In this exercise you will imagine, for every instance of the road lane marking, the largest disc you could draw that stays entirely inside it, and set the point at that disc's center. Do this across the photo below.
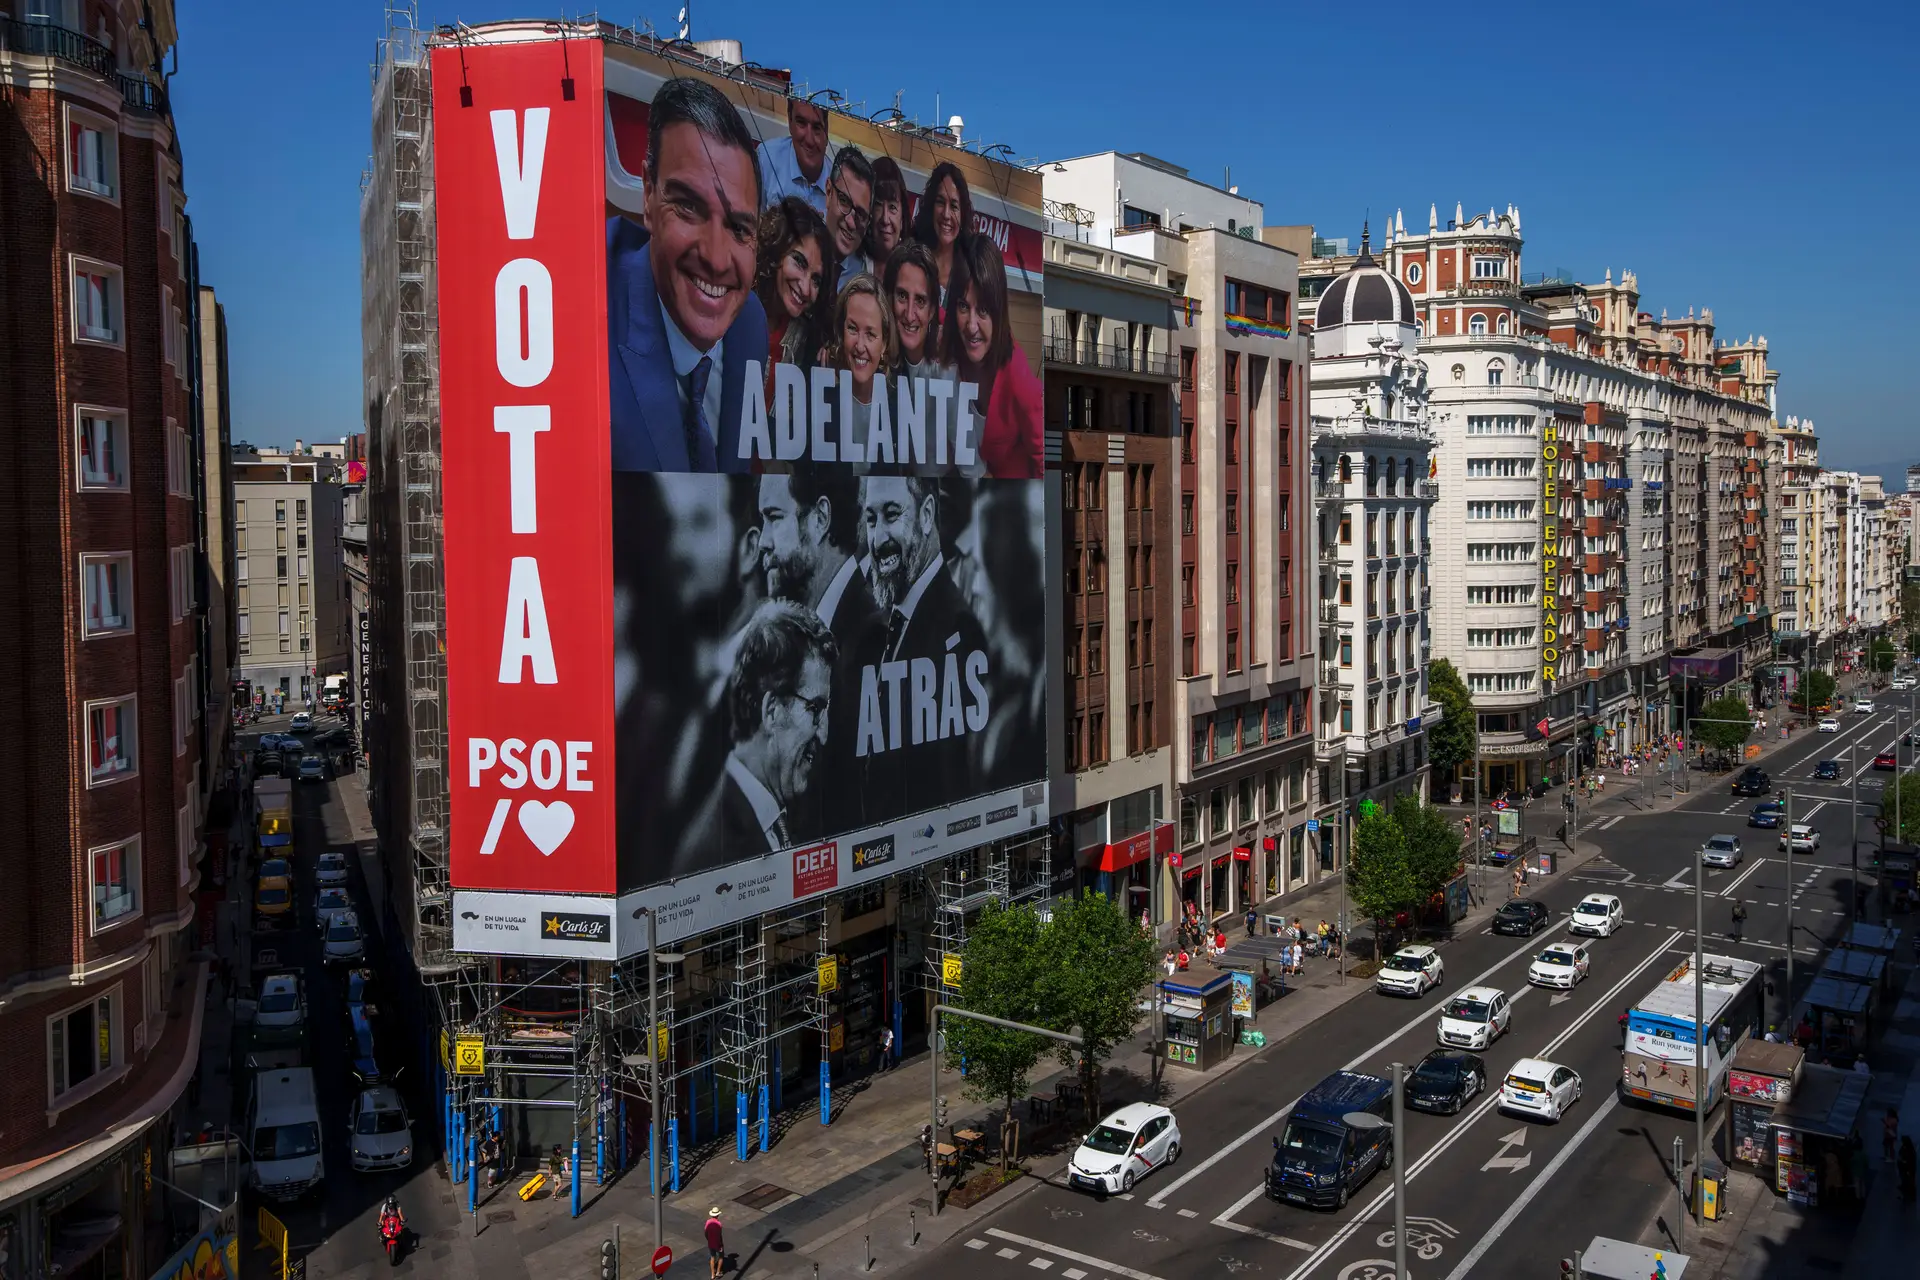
(976, 1244)
(1533, 1188)
(1068, 1254)
(1673, 881)
(1454, 1134)
(1728, 891)
(1159, 1199)
(1007, 1253)
(1226, 1220)
(1040, 1264)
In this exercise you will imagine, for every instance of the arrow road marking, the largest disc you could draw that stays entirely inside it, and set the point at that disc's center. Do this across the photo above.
(1559, 998)
(1518, 1138)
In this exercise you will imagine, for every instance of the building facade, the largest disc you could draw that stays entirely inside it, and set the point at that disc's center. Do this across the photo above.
(1242, 710)
(1110, 377)
(106, 749)
(1372, 462)
(290, 583)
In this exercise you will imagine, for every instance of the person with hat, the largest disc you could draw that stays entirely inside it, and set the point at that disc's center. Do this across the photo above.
(716, 1250)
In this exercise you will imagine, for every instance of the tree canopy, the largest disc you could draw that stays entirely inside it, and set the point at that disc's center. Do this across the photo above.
(1881, 655)
(1000, 976)
(1712, 725)
(1908, 805)
(1814, 690)
(1380, 875)
(1094, 961)
(1450, 743)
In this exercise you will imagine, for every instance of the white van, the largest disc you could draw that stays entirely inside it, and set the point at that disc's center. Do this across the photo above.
(283, 1134)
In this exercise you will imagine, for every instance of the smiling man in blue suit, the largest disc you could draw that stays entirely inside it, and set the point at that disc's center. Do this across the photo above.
(682, 318)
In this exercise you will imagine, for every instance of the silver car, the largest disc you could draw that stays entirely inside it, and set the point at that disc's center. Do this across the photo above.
(382, 1134)
(1721, 851)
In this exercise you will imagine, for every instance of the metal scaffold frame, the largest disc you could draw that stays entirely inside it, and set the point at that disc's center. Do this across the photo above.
(1006, 872)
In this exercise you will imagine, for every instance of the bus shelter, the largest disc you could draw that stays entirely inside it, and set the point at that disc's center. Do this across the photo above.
(1815, 1134)
(1838, 1008)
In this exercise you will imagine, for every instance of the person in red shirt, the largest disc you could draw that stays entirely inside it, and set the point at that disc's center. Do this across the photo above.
(716, 1251)
(977, 341)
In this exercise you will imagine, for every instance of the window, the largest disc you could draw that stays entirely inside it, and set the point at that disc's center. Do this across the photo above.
(1498, 468)
(239, 568)
(82, 1042)
(1489, 268)
(1186, 513)
(115, 871)
(1233, 650)
(1233, 583)
(93, 154)
(1499, 552)
(280, 566)
(1477, 324)
(97, 310)
(285, 623)
(1496, 373)
(1233, 512)
(1187, 593)
(1512, 593)
(1346, 530)
(1504, 323)
(110, 740)
(1500, 682)
(1506, 424)
(301, 566)
(100, 444)
(1414, 273)
(107, 581)
(1132, 217)
(280, 510)
(300, 504)
(1514, 510)
(1233, 360)
(1233, 443)
(180, 580)
(1499, 637)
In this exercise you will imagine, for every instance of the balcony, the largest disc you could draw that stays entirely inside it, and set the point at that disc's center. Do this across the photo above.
(1330, 490)
(1329, 553)
(1108, 357)
(1329, 611)
(45, 40)
(1335, 676)
(1428, 489)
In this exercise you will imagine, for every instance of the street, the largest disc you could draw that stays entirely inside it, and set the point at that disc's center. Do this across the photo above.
(1488, 1194)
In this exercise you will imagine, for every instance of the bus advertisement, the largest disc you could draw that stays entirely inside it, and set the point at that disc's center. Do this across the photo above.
(1657, 1061)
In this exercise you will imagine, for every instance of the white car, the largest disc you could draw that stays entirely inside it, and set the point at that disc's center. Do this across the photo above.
(1805, 839)
(327, 904)
(1537, 1087)
(1598, 914)
(343, 943)
(1475, 1018)
(301, 721)
(282, 1005)
(382, 1134)
(1721, 851)
(1901, 684)
(331, 868)
(1829, 725)
(1562, 964)
(1410, 971)
(1864, 707)
(1128, 1144)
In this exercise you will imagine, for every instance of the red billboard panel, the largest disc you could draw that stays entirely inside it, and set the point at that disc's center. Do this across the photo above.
(744, 529)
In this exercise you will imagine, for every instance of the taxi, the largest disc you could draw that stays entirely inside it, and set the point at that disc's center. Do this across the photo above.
(273, 892)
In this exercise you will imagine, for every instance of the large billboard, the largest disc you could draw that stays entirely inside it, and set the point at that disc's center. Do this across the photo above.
(745, 544)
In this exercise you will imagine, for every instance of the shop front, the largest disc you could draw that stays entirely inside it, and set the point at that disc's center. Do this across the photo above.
(1123, 870)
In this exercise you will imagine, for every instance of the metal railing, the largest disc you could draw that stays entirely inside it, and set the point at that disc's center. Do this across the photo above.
(1110, 356)
(75, 48)
(1329, 490)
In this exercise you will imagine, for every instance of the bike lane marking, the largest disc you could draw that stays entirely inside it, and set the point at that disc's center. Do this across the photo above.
(1070, 1255)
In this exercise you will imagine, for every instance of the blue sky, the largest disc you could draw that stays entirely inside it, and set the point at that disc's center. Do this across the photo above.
(1757, 159)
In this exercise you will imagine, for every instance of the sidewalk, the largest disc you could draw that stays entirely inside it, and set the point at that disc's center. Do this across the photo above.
(1763, 1235)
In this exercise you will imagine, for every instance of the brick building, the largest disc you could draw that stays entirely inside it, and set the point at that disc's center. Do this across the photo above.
(107, 752)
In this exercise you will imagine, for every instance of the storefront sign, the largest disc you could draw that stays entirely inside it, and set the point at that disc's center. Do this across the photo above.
(829, 974)
(1549, 552)
(1123, 854)
(1243, 854)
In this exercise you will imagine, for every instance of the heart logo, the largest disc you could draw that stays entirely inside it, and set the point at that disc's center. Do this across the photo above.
(547, 825)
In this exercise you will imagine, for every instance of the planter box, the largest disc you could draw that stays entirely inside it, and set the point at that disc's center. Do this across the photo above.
(981, 1185)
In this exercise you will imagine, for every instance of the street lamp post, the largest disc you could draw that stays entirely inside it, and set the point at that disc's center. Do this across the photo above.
(1793, 890)
(1700, 1020)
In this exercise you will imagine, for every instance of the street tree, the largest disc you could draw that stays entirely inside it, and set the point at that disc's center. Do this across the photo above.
(1724, 724)
(1910, 614)
(1000, 976)
(1814, 691)
(1094, 963)
(1380, 878)
(1881, 655)
(1433, 844)
(1450, 743)
(1904, 800)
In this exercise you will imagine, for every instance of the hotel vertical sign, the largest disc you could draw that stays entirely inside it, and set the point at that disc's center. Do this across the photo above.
(1549, 552)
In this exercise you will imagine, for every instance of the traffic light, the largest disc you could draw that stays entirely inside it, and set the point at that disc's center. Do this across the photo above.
(609, 1260)
(940, 1112)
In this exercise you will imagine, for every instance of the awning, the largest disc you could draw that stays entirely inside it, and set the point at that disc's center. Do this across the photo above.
(1117, 857)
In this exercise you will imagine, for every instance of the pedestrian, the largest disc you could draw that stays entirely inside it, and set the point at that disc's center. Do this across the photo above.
(716, 1248)
(490, 1157)
(1739, 920)
(1167, 963)
(554, 1162)
(1320, 939)
(1889, 1132)
(1860, 1067)
(1253, 921)
(886, 1048)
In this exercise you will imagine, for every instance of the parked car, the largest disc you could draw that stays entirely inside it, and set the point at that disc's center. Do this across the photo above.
(330, 868)
(1598, 914)
(313, 768)
(1826, 770)
(1521, 917)
(1766, 814)
(329, 901)
(343, 942)
(1445, 1081)
(1752, 781)
(1130, 1143)
(1721, 851)
(382, 1134)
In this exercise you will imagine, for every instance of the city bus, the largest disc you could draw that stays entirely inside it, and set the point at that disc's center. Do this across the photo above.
(1656, 1061)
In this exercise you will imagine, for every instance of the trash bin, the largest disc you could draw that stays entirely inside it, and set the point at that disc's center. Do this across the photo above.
(1713, 1176)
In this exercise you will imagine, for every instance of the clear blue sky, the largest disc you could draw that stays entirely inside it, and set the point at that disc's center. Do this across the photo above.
(1759, 159)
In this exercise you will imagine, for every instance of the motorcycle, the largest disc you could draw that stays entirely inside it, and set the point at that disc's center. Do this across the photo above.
(393, 1235)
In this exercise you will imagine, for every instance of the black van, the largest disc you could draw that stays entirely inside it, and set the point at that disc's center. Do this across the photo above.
(1326, 1149)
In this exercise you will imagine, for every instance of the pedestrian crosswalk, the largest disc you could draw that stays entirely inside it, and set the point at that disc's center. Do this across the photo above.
(1052, 1259)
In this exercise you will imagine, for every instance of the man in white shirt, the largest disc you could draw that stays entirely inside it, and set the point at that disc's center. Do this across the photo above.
(776, 703)
(796, 165)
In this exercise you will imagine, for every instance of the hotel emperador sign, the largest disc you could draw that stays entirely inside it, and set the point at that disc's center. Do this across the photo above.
(1549, 551)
